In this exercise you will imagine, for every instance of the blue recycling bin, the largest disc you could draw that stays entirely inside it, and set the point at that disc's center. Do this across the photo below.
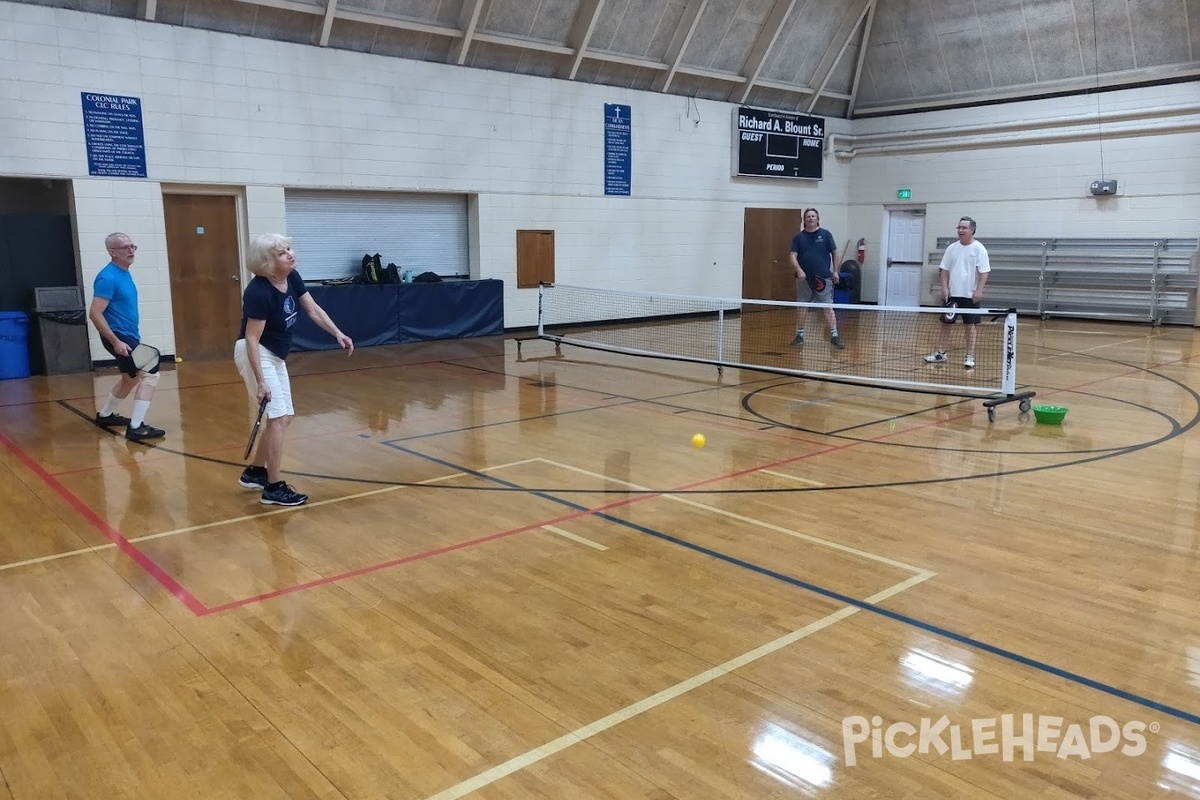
(14, 344)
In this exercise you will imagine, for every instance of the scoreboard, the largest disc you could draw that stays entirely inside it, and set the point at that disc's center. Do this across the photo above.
(776, 144)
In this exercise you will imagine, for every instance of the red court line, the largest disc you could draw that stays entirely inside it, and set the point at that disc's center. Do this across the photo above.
(359, 571)
(200, 609)
(112, 534)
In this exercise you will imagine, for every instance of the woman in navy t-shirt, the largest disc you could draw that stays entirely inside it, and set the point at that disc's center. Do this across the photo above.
(270, 305)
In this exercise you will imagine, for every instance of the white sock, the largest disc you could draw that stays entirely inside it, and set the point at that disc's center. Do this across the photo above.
(833, 333)
(140, 407)
(111, 405)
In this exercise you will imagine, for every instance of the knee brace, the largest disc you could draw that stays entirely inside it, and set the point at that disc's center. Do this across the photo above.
(150, 379)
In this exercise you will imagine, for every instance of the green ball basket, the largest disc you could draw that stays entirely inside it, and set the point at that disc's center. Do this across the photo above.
(1049, 415)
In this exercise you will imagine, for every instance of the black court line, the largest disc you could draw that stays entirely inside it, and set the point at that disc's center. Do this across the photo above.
(550, 494)
(895, 616)
(841, 433)
(1177, 429)
(451, 362)
(1181, 428)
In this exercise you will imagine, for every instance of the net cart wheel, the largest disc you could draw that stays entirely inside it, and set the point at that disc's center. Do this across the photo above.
(1025, 406)
(991, 415)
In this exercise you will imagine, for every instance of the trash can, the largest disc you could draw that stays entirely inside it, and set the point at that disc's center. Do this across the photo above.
(61, 344)
(14, 344)
(847, 290)
(850, 275)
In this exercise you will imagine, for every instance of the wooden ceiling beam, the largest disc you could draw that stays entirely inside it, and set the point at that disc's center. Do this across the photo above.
(468, 20)
(767, 36)
(581, 33)
(679, 43)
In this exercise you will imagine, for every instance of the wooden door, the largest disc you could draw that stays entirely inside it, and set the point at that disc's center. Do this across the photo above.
(767, 272)
(535, 258)
(206, 285)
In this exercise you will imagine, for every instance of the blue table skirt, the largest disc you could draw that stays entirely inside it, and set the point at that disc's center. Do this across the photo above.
(404, 312)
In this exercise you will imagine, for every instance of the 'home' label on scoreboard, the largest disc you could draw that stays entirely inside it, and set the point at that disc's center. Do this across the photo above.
(776, 144)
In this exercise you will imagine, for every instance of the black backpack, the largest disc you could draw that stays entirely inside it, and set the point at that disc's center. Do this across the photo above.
(372, 269)
(393, 273)
(428, 277)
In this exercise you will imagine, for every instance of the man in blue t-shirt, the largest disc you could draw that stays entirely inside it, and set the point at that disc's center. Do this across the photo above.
(114, 312)
(815, 258)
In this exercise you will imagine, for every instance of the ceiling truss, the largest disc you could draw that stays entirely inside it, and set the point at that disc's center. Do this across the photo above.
(847, 58)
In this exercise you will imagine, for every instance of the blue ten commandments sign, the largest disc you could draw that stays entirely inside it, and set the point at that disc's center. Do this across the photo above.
(618, 152)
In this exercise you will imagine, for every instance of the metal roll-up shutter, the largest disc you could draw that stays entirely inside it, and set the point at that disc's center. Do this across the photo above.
(331, 231)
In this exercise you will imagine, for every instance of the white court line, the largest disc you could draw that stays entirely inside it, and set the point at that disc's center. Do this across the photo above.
(27, 562)
(750, 520)
(288, 510)
(573, 537)
(790, 477)
(586, 732)
(246, 517)
(642, 706)
(920, 577)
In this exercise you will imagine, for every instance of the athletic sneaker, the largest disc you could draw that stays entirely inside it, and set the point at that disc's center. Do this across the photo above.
(253, 478)
(799, 338)
(969, 362)
(143, 432)
(936, 356)
(113, 420)
(280, 494)
(836, 342)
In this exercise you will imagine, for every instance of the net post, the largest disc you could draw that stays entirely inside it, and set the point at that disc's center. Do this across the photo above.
(720, 335)
(541, 326)
(1009, 371)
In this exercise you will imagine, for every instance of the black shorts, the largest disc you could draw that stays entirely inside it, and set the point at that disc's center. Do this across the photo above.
(125, 363)
(967, 319)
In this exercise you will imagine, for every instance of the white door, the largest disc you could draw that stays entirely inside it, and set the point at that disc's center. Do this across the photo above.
(905, 258)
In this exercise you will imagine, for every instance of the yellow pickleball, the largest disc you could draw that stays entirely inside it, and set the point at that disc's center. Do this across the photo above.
(698, 440)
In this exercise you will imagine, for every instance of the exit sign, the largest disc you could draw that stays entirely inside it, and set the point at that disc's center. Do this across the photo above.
(904, 194)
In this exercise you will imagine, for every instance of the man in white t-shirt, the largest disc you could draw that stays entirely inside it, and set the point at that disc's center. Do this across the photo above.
(964, 271)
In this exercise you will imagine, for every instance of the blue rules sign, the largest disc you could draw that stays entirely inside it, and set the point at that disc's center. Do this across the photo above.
(618, 149)
(112, 126)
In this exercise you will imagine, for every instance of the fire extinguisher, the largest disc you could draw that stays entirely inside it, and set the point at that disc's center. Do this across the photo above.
(862, 251)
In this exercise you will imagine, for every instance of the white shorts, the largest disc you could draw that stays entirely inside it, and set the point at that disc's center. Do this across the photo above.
(274, 370)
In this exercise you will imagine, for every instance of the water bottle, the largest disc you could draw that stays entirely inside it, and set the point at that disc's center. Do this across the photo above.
(408, 276)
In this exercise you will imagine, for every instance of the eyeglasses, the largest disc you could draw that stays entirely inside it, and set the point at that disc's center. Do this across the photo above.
(130, 247)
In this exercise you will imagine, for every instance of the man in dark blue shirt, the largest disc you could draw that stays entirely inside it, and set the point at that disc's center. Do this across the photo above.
(815, 258)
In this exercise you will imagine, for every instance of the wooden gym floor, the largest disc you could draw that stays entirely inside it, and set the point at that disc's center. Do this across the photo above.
(518, 580)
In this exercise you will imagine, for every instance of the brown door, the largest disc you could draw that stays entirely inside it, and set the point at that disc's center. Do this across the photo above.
(206, 286)
(535, 258)
(767, 272)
